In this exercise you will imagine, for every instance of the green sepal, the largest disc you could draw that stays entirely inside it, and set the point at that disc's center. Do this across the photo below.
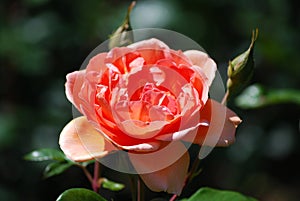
(256, 96)
(111, 185)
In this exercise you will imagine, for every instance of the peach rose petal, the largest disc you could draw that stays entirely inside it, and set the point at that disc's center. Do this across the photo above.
(123, 141)
(81, 142)
(73, 86)
(97, 63)
(143, 147)
(152, 43)
(222, 126)
(139, 130)
(203, 61)
(165, 169)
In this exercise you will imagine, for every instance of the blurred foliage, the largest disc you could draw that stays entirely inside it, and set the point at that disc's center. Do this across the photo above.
(256, 96)
(42, 40)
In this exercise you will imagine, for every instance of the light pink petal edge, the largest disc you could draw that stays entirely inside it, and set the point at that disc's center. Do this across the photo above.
(222, 126)
(152, 43)
(81, 142)
(73, 86)
(203, 61)
(143, 147)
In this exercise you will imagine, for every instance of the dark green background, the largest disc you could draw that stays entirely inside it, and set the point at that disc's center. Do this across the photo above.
(43, 40)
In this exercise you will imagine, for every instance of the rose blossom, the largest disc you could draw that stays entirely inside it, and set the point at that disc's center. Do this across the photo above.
(143, 98)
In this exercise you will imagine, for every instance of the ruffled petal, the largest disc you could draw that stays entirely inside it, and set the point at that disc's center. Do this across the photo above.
(97, 63)
(165, 169)
(77, 79)
(143, 147)
(123, 141)
(152, 43)
(222, 126)
(203, 61)
(81, 142)
(73, 86)
(151, 50)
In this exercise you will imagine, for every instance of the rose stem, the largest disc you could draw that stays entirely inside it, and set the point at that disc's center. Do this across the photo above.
(96, 176)
(87, 174)
(224, 100)
(140, 190)
(173, 197)
(133, 187)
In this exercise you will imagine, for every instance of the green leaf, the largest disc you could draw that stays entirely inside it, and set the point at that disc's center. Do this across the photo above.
(111, 185)
(123, 35)
(209, 194)
(45, 155)
(256, 96)
(56, 168)
(241, 68)
(79, 194)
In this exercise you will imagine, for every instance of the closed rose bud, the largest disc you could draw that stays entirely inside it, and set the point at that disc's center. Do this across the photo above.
(123, 35)
(240, 69)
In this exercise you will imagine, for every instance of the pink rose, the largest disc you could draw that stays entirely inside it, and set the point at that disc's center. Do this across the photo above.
(146, 99)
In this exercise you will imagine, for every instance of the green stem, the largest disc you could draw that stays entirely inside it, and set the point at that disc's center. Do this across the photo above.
(133, 187)
(137, 188)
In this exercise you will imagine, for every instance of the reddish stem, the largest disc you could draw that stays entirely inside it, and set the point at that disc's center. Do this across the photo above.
(224, 100)
(173, 198)
(140, 190)
(87, 174)
(95, 184)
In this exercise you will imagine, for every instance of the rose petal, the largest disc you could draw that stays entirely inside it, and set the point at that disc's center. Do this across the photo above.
(202, 60)
(141, 130)
(73, 86)
(152, 43)
(97, 63)
(123, 59)
(123, 141)
(222, 125)
(151, 50)
(188, 133)
(81, 91)
(163, 170)
(81, 142)
(143, 147)
(76, 79)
